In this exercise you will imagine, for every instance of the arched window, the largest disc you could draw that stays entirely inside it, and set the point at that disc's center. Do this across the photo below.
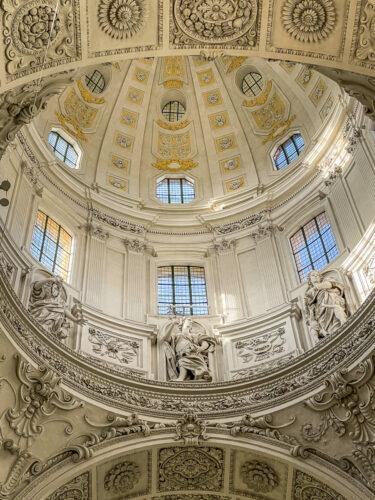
(313, 246)
(63, 150)
(288, 151)
(252, 84)
(175, 191)
(182, 290)
(173, 111)
(95, 82)
(51, 245)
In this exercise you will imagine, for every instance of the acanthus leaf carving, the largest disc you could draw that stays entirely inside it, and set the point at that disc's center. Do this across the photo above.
(190, 428)
(355, 394)
(40, 395)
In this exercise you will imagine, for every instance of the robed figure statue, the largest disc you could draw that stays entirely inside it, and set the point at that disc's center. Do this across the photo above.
(186, 345)
(325, 305)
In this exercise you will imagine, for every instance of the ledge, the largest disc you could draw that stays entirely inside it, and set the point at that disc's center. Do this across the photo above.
(259, 393)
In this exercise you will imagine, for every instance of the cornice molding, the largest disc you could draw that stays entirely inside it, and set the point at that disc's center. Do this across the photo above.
(258, 393)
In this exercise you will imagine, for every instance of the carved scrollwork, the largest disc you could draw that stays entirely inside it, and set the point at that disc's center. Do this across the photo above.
(190, 428)
(366, 43)
(355, 394)
(40, 395)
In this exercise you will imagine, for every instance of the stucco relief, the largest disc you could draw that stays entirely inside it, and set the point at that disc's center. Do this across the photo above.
(121, 18)
(305, 487)
(78, 488)
(262, 347)
(124, 351)
(34, 27)
(309, 20)
(366, 43)
(215, 22)
(191, 468)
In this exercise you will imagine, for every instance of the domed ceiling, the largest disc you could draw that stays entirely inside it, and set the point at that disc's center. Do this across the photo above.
(221, 139)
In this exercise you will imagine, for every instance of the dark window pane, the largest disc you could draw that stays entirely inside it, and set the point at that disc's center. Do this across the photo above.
(95, 82)
(313, 246)
(173, 111)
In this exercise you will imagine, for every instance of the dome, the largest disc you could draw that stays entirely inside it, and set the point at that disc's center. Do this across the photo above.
(187, 261)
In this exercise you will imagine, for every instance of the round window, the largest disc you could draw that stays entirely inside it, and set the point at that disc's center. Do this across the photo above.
(252, 84)
(173, 111)
(95, 82)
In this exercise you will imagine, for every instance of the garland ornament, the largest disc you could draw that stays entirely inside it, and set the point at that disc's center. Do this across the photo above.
(309, 20)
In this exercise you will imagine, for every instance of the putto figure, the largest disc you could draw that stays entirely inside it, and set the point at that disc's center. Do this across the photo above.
(325, 305)
(48, 306)
(186, 345)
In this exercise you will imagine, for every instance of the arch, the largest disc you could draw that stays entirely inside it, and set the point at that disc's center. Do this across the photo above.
(223, 465)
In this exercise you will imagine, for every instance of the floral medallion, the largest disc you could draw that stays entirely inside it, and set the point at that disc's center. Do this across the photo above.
(259, 476)
(215, 21)
(309, 20)
(121, 18)
(190, 468)
(122, 477)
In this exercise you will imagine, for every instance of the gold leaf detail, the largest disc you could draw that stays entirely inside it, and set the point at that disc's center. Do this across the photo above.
(261, 99)
(66, 121)
(166, 164)
(173, 84)
(87, 96)
(282, 127)
(236, 63)
(173, 126)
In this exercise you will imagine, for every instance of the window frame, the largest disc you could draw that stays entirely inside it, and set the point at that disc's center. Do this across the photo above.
(256, 83)
(281, 144)
(180, 179)
(189, 306)
(60, 226)
(170, 113)
(300, 227)
(68, 139)
(95, 85)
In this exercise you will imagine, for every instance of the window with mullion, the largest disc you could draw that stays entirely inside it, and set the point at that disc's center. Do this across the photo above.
(175, 191)
(63, 150)
(183, 286)
(51, 245)
(313, 246)
(287, 152)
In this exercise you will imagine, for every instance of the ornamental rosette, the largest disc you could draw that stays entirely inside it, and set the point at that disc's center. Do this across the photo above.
(309, 20)
(122, 477)
(121, 18)
(259, 476)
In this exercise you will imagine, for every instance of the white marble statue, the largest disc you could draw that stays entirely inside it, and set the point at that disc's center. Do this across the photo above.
(48, 306)
(186, 345)
(325, 305)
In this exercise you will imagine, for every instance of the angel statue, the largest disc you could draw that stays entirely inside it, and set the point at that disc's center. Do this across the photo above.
(48, 306)
(325, 305)
(186, 345)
